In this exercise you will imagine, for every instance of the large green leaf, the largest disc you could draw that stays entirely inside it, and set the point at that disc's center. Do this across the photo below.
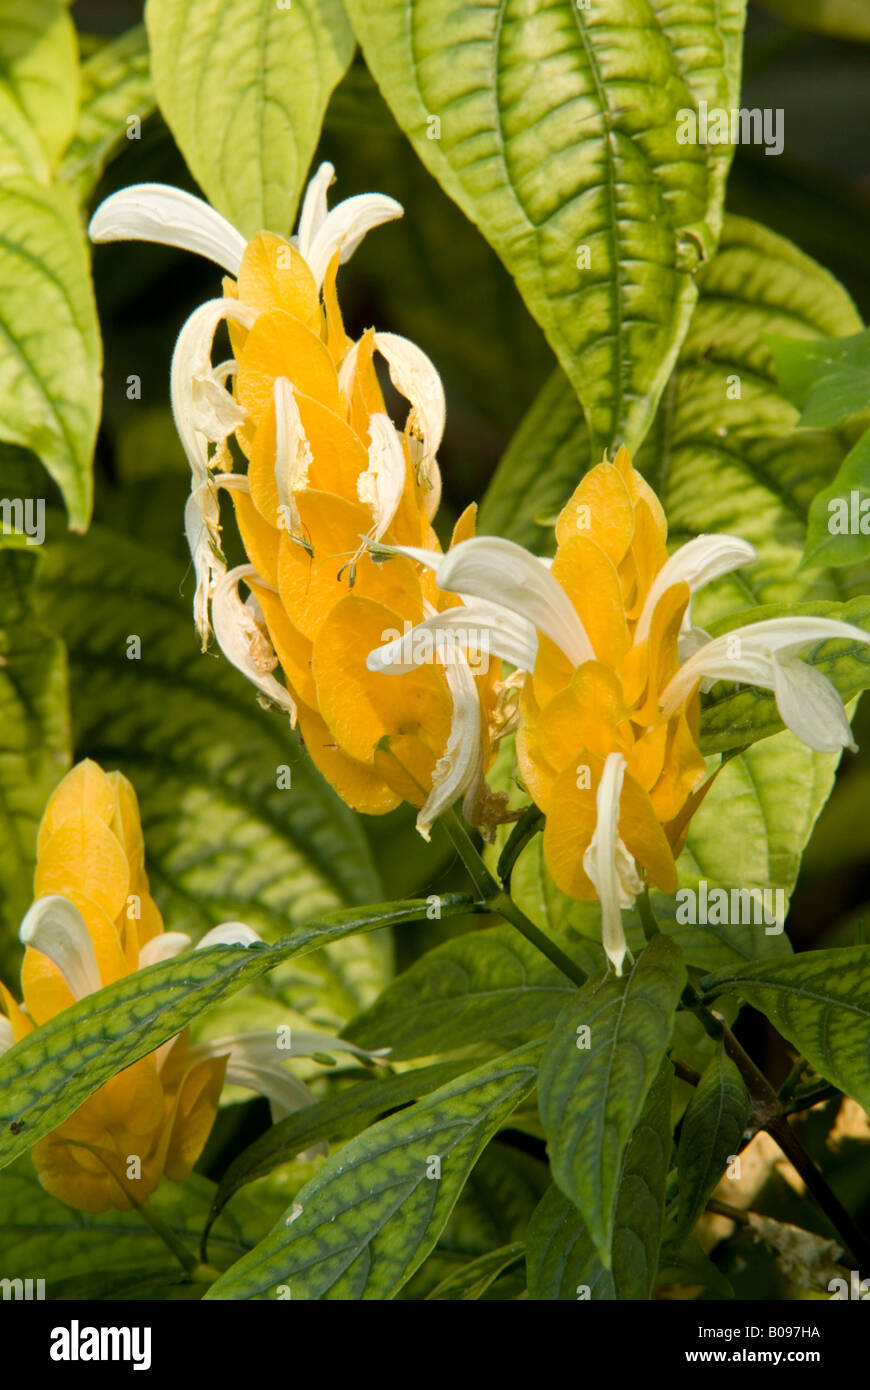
(561, 1258)
(593, 1087)
(718, 462)
(116, 85)
(820, 1002)
(39, 77)
(47, 1075)
(484, 986)
(554, 127)
(373, 1213)
(472, 1281)
(49, 339)
(224, 840)
(34, 733)
(243, 86)
(712, 1129)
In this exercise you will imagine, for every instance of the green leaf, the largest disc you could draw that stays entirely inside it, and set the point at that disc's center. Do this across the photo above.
(819, 1002)
(34, 734)
(562, 1260)
(223, 840)
(839, 525)
(592, 1097)
(243, 86)
(472, 1281)
(719, 462)
(844, 19)
(484, 986)
(555, 129)
(116, 84)
(49, 338)
(713, 1126)
(370, 1217)
(337, 1117)
(39, 76)
(48, 1075)
(828, 380)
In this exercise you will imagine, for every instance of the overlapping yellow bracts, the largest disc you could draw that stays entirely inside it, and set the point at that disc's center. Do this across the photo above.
(326, 602)
(155, 1116)
(611, 545)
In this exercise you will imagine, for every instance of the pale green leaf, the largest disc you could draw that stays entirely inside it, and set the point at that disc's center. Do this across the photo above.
(116, 85)
(554, 127)
(39, 71)
(243, 85)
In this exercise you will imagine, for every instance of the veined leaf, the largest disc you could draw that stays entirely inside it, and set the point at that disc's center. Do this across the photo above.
(554, 127)
(485, 986)
(828, 380)
(839, 525)
(243, 86)
(369, 1218)
(562, 1261)
(49, 339)
(593, 1087)
(339, 1116)
(713, 1126)
(34, 734)
(40, 71)
(820, 1002)
(224, 840)
(48, 1075)
(116, 84)
(472, 1281)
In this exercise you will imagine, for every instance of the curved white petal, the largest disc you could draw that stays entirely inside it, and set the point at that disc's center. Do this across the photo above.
(54, 926)
(229, 934)
(314, 207)
(381, 486)
(202, 530)
(255, 1062)
(241, 636)
(203, 409)
(747, 653)
(484, 627)
(293, 456)
(810, 706)
(460, 768)
(157, 212)
(163, 947)
(696, 563)
(7, 1037)
(608, 863)
(345, 227)
(501, 572)
(415, 377)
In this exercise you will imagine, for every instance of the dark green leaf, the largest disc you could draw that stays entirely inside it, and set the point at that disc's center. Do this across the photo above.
(712, 1129)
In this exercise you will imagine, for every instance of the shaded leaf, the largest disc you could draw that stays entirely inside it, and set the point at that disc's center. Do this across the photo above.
(713, 1126)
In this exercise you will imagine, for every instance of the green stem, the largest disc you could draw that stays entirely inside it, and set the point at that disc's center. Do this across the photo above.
(646, 914)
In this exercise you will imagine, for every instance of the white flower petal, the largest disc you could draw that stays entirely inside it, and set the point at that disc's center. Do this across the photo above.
(203, 410)
(460, 768)
(314, 208)
(415, 377)
(169, 216)
(293, 456)
(810, 706)
(7, 1037)
(243, 640)
(344, 228)
(381, 486)
(229, 934)
(255, 1062)
(202, 530)
(484, 627)
(696, 563)
(608, 863)
(54, 926)
(163, 947)
(503, 573)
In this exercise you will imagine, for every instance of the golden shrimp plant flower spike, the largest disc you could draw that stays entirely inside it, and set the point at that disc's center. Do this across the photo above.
(329, 478)
(608, 735)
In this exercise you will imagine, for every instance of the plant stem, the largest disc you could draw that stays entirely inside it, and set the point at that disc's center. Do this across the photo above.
(499, 901)
(646, 914)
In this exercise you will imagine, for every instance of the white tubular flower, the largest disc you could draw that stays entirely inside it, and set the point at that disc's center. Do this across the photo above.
(696, 563)
(202, 531)
(459, 771)
(322, 233)
(203, 409)
(293, 455)
(55, 927)
(229, 934)
(381, 486)
(241, 634)
(608, 863)
(255, 1062)
(168, 944)
(481, 625)
(414, 376)
(764, 654)
(159, 213)
(503, 573)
